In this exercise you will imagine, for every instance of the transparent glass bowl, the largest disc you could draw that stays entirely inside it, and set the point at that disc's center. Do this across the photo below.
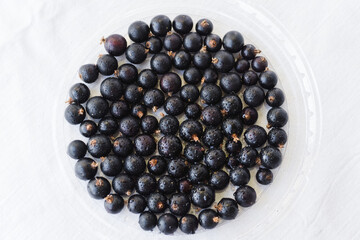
(302, 103)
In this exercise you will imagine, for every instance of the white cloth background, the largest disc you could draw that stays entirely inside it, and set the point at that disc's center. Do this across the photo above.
(37, 38)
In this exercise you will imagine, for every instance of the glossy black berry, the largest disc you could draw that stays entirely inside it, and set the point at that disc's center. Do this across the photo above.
(167, 223)
(277, 137)
(188, 224)
(259, 64)
(194, 152)
(97, 107)
(231, 105)
(250, 78)
(149, 124)
(88, 73)
(275, 97)
(191, 130)
(169, 125)
(248, 157)
(147, 79)
(209, 76)
(161, 63)
(157, 165)
(138, 31)
(136, 203)
(167, 184)
(108, 125)
(233, 147)
(204, 27)
(157, 202)
(223, 61)
(129, 126)
(138, 110)
(160, 25)
(245, 196)
(202, 59)
(242, 65)
(182, 60)
(239, 176)
(192, 42)
(146, 184)
(145, 145)
(209, 218)
(178, 167)
(115, 44)
(232, 128)
(79, 93)
(136, 53)
(182, 24)
(111, 165)
(133, 93)
(255, 136)
(212, 137)
(88, 128)
(154, 98)
(98, 187)
(249, 52)
(170, 83)
(154, 44)
(233, 41)
(107, 64)
(249, 116)
(254, 96)
(179, 204)
(215, 159)
(172, 42)
(198, 173)
(99, 145)
(127, 73)
(169, 146)
(227, 208)
(213, 42)
(210, 93)
(123, 184)
(277, 117)
(193, 111)
(122, 146)
(230, 83)
(202, 196)
(232, 162)
(185, 186)
(211, 116)
(268, 79)
(119, 109)
(134, 164)
(219, 180)
(189, 93)
(113, 203)
(270, 157)
(264, 176)
(86, 168)
(147, 221)
(111, 89)
(174, 106)
(74, 113)
(192, 75)
(76, 149)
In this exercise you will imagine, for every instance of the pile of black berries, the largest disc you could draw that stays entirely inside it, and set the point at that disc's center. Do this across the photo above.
(162, 167)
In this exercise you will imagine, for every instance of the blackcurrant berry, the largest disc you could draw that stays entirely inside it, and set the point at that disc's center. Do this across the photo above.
(277, 137)
(248, 157)
(154, 44)
(213, 42)
(98, 187)
(179, 204)
(157, 165)
(223, 61)
(219, 180)
(154, 98)
(191, 130)
(231, 105)
(202, 196)
(79, 93)
(167, 223)
(170, 83)
(122, 146)
(192, 42)
(172, 42)
(129, 126)
(227, 208)
(74, 113)
(157, 202)
(245, 196)
(123, 184)
(169, 125)
(249, 116)
(275, 97)
(107, 64)
(134, 165)
(145, 145)
(136, 53)
(193, 111)
(211, 116)
(160, 63)
(97, 107)
(149, 124)
(198, 173)
(88, 73)
(136, 203)
(255, 136)
(268, 79)
(212, 137)
(189, 93)
(169, 146)
(76, 149)
(111, 165)
(178, 167)
(249, 52)
(182, 60)
(160, 25)
(188, 224)
(204, 27)
(259, 64)
(277, 117)
(250, 78)
(88, 128)
(113, 203)
(270, 157)
(108, 125)
(264, 176)
(192, 75)
(208, 218)
(99, 145)
(138, 31)
(233, 41)
(239, 176)
(167, 184)
(210, 93)
(86, 168)
(119, 109)
(115, 44)
(241, 65)
(254, 96)
(182, 24)
(174, 106)
(127, 73)
(147, 221)
(146, 184)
